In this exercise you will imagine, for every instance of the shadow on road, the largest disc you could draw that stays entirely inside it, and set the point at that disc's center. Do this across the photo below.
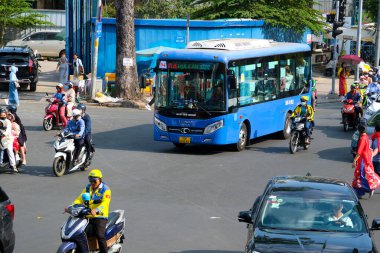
(336, 132)
(336, 154)
(38, 171)
(207, 251)
(270, 150)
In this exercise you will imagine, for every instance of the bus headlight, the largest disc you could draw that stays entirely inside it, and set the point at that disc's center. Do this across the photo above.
(213, 127)
(161, 125)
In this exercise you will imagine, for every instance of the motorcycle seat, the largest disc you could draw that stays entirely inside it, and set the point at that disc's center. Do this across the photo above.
(112, 218)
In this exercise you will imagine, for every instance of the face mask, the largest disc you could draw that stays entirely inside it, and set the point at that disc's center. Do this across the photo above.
(303, 103)
(3, 118)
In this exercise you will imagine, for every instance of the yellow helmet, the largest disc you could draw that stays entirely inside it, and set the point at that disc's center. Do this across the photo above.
(95, 173)
(304, 98)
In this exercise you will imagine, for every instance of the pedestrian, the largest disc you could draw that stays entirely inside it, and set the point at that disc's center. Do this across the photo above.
(13, 85)
(63, 68)
(365, 178)
(152, 77)
(343, 73)
(22, 138)
(6, 140)
(375, 148)
(78, 71)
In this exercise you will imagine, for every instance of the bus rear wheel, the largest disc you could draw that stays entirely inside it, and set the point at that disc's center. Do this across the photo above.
(243, 138)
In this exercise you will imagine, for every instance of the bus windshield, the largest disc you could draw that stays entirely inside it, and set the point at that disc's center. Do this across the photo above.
(192, 86)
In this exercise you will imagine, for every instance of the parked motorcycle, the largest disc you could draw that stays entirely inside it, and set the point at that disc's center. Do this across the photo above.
(63, 159)
(349, 116)
(52, 118)
(77, 225)
(298, 135)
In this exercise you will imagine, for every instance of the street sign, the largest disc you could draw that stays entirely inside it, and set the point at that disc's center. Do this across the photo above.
(127, 62)
(98, 31)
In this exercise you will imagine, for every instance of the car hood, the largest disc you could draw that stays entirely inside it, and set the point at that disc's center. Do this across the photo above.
(309, 241)
(14, 43)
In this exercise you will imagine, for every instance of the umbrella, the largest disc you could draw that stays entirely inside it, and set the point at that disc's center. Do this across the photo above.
(351, 58)
(154, 50)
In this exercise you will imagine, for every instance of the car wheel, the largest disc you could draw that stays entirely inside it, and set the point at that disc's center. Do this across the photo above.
(33, 86)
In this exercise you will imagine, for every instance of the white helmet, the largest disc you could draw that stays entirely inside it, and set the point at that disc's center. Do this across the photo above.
(76, 112)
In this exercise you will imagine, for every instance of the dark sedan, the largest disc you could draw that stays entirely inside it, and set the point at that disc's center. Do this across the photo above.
(308, 214)
(7, 236)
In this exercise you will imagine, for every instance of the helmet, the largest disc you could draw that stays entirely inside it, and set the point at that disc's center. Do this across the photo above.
(59, 85)
(356, 82)
(2, 110)
(76, 112)
(69, 83)
(95, 173)
(304, 98)
(12, 108)
(81, 107)
(353, 86)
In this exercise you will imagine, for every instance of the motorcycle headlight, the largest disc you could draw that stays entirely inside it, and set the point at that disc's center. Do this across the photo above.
(213, 127)
(161, 125)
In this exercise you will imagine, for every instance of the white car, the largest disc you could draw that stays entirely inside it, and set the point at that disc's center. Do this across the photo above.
(373, 107)
(50, 43)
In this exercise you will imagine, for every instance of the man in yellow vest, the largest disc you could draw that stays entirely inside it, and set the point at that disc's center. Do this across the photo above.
(305, 111)
(99, 204)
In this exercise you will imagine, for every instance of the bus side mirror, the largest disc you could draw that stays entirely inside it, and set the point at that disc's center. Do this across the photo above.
(232, 79)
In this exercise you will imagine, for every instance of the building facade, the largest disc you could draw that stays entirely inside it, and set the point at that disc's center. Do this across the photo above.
(49, 5)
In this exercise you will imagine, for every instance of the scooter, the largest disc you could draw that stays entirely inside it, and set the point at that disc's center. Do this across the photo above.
(52, 118)
(76, 224)
(349, 116)
(298, 135)
(63, 159)
(16, 151)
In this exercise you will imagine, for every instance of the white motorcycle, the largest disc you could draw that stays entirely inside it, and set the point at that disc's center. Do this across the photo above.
(63, 159)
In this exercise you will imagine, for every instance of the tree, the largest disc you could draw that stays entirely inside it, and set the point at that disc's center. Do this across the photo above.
(161, 8)
(297, 15)
(126, 76)
(18, 14)
(371, 7)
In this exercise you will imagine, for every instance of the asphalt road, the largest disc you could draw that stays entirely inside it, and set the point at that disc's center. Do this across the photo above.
(175, 201)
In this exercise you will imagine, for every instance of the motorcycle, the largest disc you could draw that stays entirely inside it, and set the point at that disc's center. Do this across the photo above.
(52, 118)
(77, 224)
(349, 116)
(298, 135)
(63, 159)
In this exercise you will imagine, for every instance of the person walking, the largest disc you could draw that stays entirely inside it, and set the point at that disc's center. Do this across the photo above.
(13, 85)
(365, 179)
(22, 138)
(343, 73)
(376, 151)
(63, 68)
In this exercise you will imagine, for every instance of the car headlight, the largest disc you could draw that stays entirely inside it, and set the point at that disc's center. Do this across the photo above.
(213, 127)
(161, 125)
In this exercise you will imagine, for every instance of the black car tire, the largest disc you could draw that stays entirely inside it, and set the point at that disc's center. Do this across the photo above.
(179, 145)
(33, 86)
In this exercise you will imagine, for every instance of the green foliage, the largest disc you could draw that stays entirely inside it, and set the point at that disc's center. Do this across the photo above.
(18, 14)
(160, 9)
(371, 7)
(297, 15)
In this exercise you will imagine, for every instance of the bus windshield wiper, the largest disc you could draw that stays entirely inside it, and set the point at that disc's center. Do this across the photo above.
(200, 107)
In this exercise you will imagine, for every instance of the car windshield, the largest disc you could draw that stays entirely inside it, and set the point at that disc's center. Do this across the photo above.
(300, 210)
(192, 85)
(10, 58)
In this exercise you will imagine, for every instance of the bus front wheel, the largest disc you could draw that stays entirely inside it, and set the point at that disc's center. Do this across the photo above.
(243, 137)
(285, 134)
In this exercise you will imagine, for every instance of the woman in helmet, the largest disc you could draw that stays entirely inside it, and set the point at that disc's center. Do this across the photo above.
(77, 127)
(60, 95)
(70, 98)
(305, 111)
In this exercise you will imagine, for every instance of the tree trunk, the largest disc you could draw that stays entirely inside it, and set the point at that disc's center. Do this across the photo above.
(126, 76)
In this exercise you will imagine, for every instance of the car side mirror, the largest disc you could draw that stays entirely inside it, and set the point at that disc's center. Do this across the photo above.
(375, 224)
(232, 79)
(245, 216)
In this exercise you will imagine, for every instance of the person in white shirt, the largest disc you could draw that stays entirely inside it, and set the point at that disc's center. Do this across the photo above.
(7, 139)
(337, 216)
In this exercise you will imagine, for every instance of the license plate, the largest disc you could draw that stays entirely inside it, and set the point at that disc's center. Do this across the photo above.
(184, 140)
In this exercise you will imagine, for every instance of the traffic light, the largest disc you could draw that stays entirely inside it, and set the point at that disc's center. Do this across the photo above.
(342, 9)
(335, 31)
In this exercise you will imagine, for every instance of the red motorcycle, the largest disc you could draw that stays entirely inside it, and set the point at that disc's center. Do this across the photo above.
(349, 116)
(52, 118)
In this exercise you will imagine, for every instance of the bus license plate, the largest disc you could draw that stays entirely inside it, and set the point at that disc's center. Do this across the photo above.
(184, 140)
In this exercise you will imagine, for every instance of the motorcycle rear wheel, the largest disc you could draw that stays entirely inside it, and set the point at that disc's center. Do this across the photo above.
(48, 124)
(59, 166)
(345, 124)
(293, 143)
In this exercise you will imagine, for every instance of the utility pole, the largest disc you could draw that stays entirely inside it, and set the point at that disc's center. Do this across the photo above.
(188, 27)
(359, 37)
(377, 54)
(96, 35)
(335, 59)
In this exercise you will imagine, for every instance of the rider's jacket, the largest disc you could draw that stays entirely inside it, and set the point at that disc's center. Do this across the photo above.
(76, 127)
(307, 112)
(100, 200)
(373, 88)
(355, 97)
(60, 97)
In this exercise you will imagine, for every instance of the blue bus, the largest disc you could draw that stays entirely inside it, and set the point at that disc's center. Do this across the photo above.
(229, 91)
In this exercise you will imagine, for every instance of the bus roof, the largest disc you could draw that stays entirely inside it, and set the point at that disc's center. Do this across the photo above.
(232, 49)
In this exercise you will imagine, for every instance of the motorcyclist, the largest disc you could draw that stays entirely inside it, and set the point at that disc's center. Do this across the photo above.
(7, 139)
(60, 95)
(305, 111)
(356, 98)
(70, 98)
(99, 204)
(22, 138)
(87, 135)
(373, 87)
(77, 127)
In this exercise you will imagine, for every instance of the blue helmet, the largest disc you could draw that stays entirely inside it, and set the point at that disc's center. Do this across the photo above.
(86, 196)
(81, 107)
